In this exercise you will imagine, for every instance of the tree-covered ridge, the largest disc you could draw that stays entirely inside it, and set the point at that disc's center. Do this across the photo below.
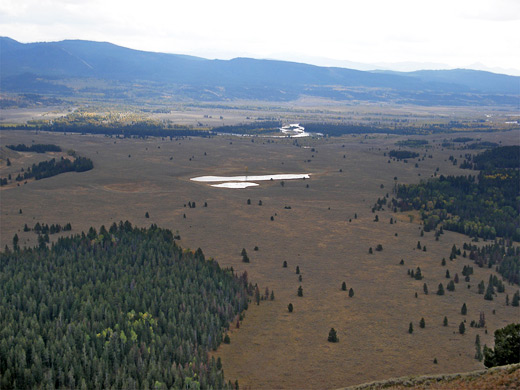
(124, 308)
(485, 206)
(38, 148)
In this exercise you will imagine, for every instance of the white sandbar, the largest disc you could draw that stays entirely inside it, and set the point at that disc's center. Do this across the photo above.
(255, 178)
(242, 184)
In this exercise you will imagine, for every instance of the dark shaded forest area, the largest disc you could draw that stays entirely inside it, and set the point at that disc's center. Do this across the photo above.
(118, 308)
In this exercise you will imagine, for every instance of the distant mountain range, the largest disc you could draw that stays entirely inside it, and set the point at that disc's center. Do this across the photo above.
(106, 71)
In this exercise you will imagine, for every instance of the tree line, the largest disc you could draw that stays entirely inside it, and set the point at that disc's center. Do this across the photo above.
(38, 148)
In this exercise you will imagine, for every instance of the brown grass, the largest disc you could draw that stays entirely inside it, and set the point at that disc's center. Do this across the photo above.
(272, 348)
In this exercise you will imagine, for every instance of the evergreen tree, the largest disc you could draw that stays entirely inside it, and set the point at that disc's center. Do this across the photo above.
(410, 328)
(227, 340)
(344, 286)
(451, 286)
(297, 270)
(448, 274)
(290, 307)
(445, 321)
(490, 290)
(351, 292)
(462, 328)
(422, 323)
(333, 336)
(425, 288)
(516, 299)
(300, 291)
(478, 349)
(284, 264)
(245, 257)
(440, 289)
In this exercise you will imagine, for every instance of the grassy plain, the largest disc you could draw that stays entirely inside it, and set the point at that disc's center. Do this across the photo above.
(274, 348)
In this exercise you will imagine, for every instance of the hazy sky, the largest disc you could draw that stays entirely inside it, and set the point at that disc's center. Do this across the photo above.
(459, 33)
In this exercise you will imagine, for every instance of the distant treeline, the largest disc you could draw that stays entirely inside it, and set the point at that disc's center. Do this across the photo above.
(138, 130)
(402, 154)
(412, 143)
(38, 148)
(249, 128)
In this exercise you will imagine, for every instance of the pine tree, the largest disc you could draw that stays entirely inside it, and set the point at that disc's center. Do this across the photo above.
(464, 309)
(462, 328)
(245, 257)
(451, 286)
(440, 289)
(418, 274)
(297, 270)
(448, 274)
(344, 286)
(490, 290)
(227, 340)
(445, 321)
(410, 328)
(284, 264)
(300, 291)
(333, 336)
(422, 323)
(351, 292)
(478, 349)
(516, 299)
(290, 307)
(425, 288)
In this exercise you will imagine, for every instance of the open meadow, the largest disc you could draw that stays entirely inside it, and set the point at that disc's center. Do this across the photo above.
(323, 225)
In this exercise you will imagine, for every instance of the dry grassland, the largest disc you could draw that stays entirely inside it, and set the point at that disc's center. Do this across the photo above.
(273, 348)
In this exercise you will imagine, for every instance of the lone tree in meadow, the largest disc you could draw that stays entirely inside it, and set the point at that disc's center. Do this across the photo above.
(300, 291)
(422, 323)
(445, 321)
(245, 257)
(344, 286)
(351, 292)
(464, 309)
(290, 307)
(410, 328)
(297, 270)
(333, 336)
(284, 264)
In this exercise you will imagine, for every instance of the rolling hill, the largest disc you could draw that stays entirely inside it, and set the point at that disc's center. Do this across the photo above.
(63, 68)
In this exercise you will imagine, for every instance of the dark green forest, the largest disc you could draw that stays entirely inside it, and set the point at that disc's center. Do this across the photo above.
(38, 148)
(121, 308)
(402, 154)
(502, 157)
(484, 206)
